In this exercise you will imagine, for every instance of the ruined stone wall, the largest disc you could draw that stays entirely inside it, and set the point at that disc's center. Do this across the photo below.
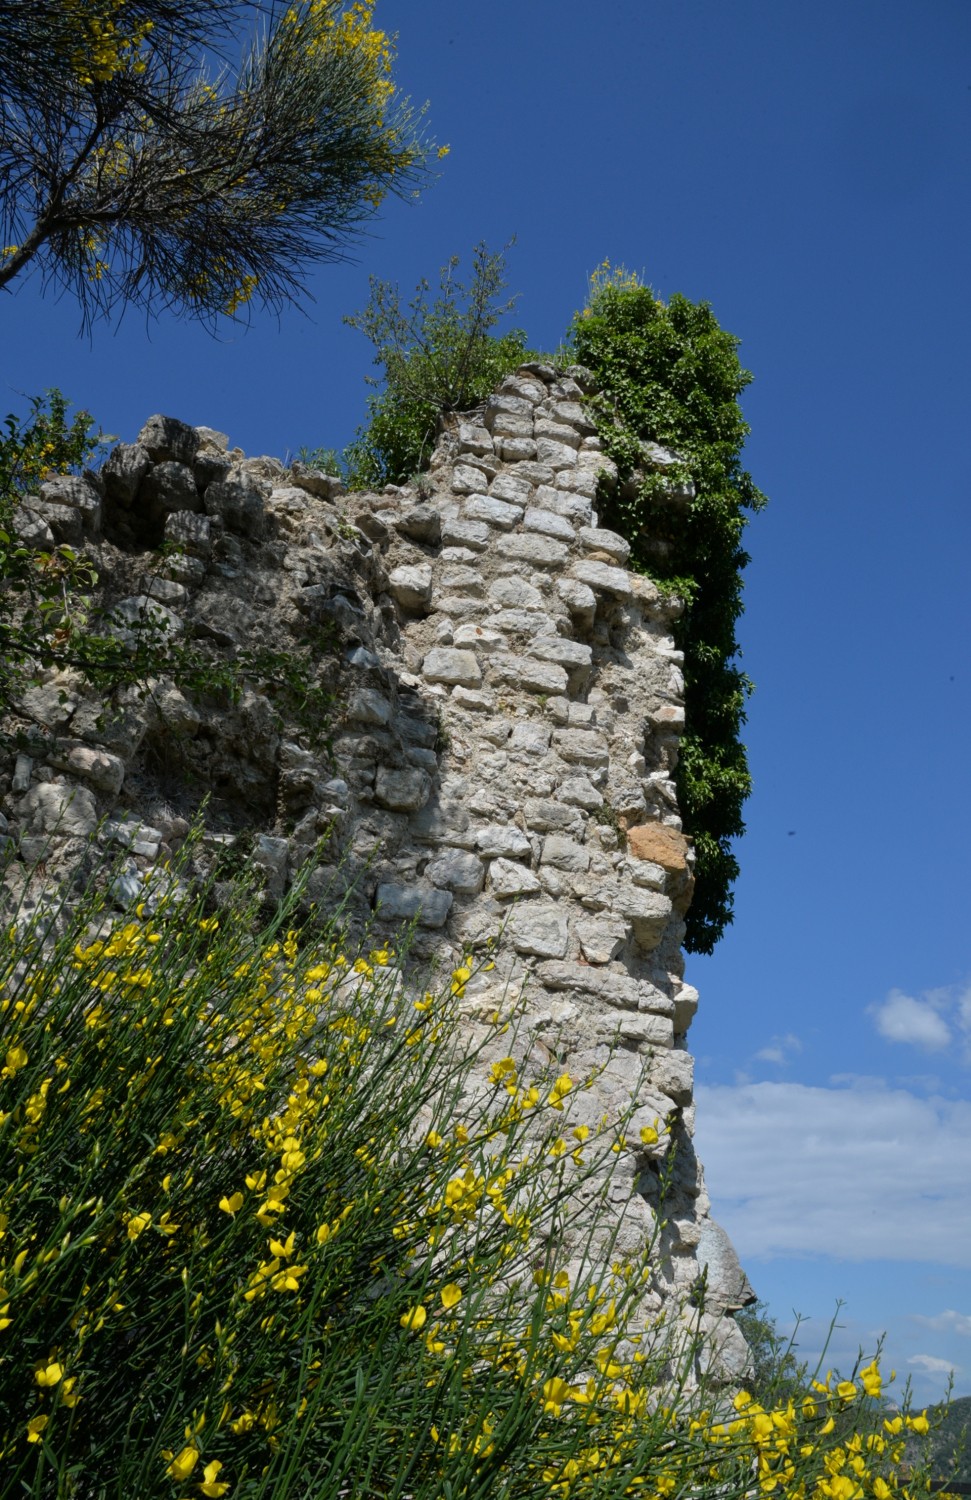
(507, 707)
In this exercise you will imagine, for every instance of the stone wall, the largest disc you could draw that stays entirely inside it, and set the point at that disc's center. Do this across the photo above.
(507, 708)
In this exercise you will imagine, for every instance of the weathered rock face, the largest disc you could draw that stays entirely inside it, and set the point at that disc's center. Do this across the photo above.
(507, 706)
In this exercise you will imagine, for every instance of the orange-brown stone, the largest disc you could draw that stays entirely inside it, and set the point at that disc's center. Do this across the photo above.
(660, 844)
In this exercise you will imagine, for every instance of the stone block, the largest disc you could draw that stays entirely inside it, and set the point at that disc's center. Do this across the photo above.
(512, 489)
(191, 532)
(480, 638)
(556, 455)
(532, 676)
(404, 790)
(167, 488)
(103, 771)
(572, 414)
(584, 747)
(573, 655)
(411, 585)
(580, 600)
(660, 845)
(515, 593)
(539, 930)
(367, 706)
(466, 480)
(546, 816)
(577, 791)
(565, 854)
(239, 501)
(509, 880)
(475, 701)
(503, 839)
(53, 807)
(513, 450)
(539, 551)
(575, 508)
(166, 439)
(648, 912)
(526, 622)
(475, 536)
(530, 737)
(123, 471)
(455, 668)
(474, 439)
(601, 938)
(497, 513)
(422, 524)
(457, 870)
(400, 903)
(548, 523)
(603, 578)
(596, 539)
(673, 1072)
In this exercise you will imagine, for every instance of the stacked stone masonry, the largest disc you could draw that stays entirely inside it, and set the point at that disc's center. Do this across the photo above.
(509, 703)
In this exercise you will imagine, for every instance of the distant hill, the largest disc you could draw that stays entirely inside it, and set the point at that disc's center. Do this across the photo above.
(951, 1455)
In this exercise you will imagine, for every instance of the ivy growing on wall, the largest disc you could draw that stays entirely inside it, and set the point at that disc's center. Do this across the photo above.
(669, 376)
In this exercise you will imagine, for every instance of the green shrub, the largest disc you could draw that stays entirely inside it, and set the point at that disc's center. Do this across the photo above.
(668, 374)
(437, 357)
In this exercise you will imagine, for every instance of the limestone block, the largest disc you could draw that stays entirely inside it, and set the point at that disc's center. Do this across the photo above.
(648, 1032)
(596, 539)
(565, 854)
(556, 455)
(507, 425)
(530, 737)
(727, 1288)
(573, 655)
(105, 772)
(457, 605)
(669, 716)
(123, 471)
(509, 880)
(54, 807)
(191, 532)
(481, 638)
(457, 870)
(422, 524)
(400, 903)
(271, 855)
(474, 439)
(530, 390)
(367, 706)
(500, 406)
(30, 526)
(540, 551)
(466, 480)
(515, 593)
(469, 580)
(239, 501)
(533, 676)
(546, 816)
(574, 415)
(166, 439)
(141, 620)
(584, 747)
(167, 488)
(498, 513)
(648, 912)
(548, 523)
(316, 482)
(646, 873)
(411, 585)
(474, 535)
(557, 432)
(577, 791)
(443, 822)
(75, 494)
(477, 702)
(601, 939)
(503, 839)
(539, 930)
(177, 713)
(516, 450)
(51, 703)
(603, 579)
(512, 489)
(578, 482)
(575, 508)
(673, 1073)
(685, 1006)
(526, 622)
(404, 790)
(580, 600)
(660, 845)
(452, 667)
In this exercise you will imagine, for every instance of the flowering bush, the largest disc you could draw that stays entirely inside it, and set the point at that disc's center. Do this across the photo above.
(263, 1233)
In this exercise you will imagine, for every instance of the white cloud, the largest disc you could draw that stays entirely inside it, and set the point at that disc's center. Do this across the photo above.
(780, 1049)
(859, 1173)
(946, 1322)
(902, 1018)
(931, 1365)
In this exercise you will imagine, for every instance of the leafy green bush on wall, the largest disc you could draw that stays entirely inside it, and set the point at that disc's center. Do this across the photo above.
(669, 375)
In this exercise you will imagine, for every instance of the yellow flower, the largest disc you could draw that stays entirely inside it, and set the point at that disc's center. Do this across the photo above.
(137, 1224)
(846, 1390)
(451, 1295)
(35, 1427)
(414, 1318)
(211, 1486)
(231, 1205)
(871, 1378)
(182, 1463)
(48, 1375)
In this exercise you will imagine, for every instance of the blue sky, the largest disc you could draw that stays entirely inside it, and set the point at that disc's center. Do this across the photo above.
(806, 170)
